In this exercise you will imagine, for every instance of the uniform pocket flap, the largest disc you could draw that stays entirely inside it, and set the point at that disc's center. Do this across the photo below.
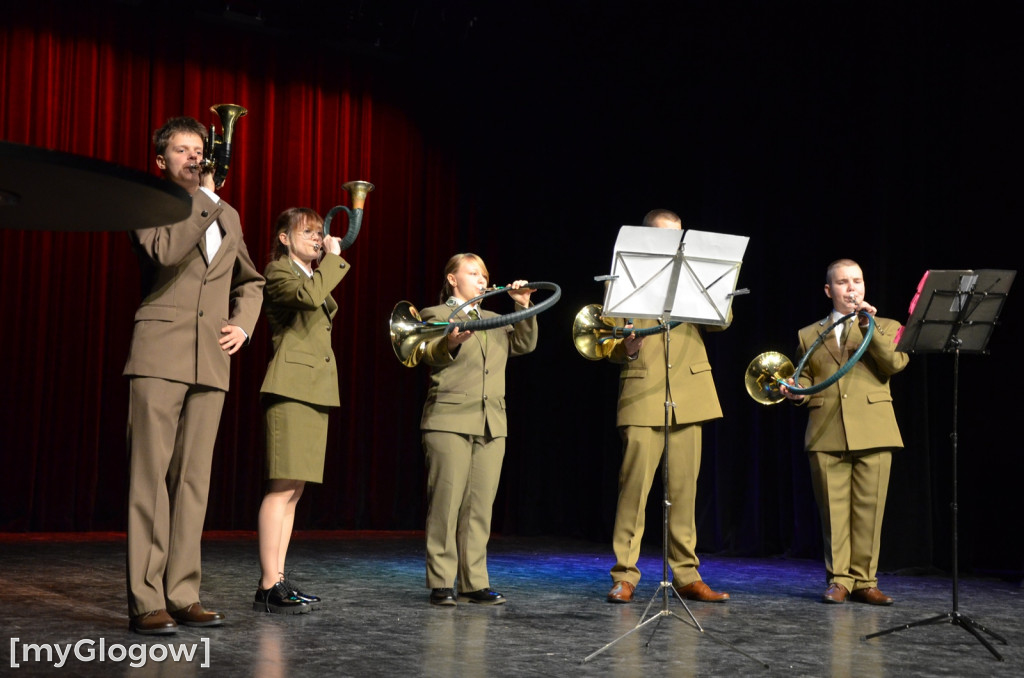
(879, 397)
(697, 368)
(156, 312)
(301, 358)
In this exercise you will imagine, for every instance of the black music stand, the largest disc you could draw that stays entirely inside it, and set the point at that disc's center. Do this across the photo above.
(653, 276)
(955, 312)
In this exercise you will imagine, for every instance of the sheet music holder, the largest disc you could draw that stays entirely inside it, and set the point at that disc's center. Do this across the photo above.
(955, 311)
(680, 276)
(690, 276)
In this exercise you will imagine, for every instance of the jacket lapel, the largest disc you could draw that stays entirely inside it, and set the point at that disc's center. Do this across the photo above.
(830, 341)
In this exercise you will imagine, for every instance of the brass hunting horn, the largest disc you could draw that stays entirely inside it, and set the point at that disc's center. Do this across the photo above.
(358, 191)
(410, 333)
(768, 372)
(590, 331)
(218, 159)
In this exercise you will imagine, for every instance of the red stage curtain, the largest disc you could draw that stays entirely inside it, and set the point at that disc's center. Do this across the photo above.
(97, 83)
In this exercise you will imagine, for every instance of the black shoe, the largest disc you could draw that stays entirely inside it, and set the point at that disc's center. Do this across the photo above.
(483, 597)
(442, 596)
(278, 599)
(312, 601)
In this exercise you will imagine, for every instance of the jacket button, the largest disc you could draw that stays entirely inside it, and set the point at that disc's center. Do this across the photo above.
(486, 371)
(200, 314)
(485, 397)
(327, 359)
(342, 265)
(204, 214)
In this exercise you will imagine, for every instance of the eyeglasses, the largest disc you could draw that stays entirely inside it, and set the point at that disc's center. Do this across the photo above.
(309, 234)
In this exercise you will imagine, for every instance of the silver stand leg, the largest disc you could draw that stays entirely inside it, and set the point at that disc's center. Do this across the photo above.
(666, 583)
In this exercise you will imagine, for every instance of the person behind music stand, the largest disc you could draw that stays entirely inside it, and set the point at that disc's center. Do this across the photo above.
(851, 432)
(641, 422)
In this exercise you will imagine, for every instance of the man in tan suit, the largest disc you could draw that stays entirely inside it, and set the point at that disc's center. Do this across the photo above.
(641, 422)
(201, 299)
(464, 428)
(851, 432)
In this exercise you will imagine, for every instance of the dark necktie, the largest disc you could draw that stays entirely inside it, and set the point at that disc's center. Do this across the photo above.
(475, 315)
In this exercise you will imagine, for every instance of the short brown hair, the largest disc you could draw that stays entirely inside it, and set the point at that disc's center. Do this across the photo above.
(162, 136)
(286, 221)
(653, 215)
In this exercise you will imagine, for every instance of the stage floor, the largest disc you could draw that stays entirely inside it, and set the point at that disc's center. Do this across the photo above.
(62, 590)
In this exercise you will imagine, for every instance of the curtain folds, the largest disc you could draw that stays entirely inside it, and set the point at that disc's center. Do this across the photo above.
(96, 82)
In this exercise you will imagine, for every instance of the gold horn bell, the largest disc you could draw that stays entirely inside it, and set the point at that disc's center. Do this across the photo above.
(409, 333)
(228, 114)
(357, 191)
(590, 333)
(764, 374)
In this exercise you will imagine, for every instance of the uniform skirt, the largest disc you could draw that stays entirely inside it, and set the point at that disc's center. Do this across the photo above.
(296, 439)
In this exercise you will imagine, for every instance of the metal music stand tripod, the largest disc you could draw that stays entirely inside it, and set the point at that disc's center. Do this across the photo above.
(955, 312)
(652, 278)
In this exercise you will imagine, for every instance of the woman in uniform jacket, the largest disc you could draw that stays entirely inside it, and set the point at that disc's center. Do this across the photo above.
(301, 384)
(464, 429)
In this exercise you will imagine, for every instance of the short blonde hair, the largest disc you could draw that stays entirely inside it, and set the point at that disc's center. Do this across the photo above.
(836, 264)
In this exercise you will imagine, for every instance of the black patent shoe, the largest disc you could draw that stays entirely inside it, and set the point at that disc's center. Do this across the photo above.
(483, 597)
(280, 600)
(442, 596)
(311, 600)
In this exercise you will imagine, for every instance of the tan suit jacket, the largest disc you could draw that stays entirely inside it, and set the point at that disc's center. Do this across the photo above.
(186, 302)
(642, 385)
(467, 390)
(300, 310)
(855, 413)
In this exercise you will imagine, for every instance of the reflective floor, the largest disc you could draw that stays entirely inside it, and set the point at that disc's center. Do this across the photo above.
(67, 591)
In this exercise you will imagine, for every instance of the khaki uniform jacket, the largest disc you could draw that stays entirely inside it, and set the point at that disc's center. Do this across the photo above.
(855, 413)
(467, 390)
(300, 310)
(642, 381)
(186, 302)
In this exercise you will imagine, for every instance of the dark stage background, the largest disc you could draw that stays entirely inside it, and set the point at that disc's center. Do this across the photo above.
(529, 132)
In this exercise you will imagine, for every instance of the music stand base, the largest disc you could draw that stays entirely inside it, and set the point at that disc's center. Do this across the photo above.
(957, 619)
(663, 591)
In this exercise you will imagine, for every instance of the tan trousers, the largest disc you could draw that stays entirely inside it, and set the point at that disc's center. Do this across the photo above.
(642, 448)
(851, 489)
(172, 428)
(462, 480)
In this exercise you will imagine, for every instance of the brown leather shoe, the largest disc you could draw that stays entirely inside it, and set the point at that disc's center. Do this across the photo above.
(155, 623)
(698, 590)
(622, 592)
(835, 593)
(196, 615)
(871, 596)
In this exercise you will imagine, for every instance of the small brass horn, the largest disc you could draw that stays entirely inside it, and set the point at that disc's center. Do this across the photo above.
(218, 160)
